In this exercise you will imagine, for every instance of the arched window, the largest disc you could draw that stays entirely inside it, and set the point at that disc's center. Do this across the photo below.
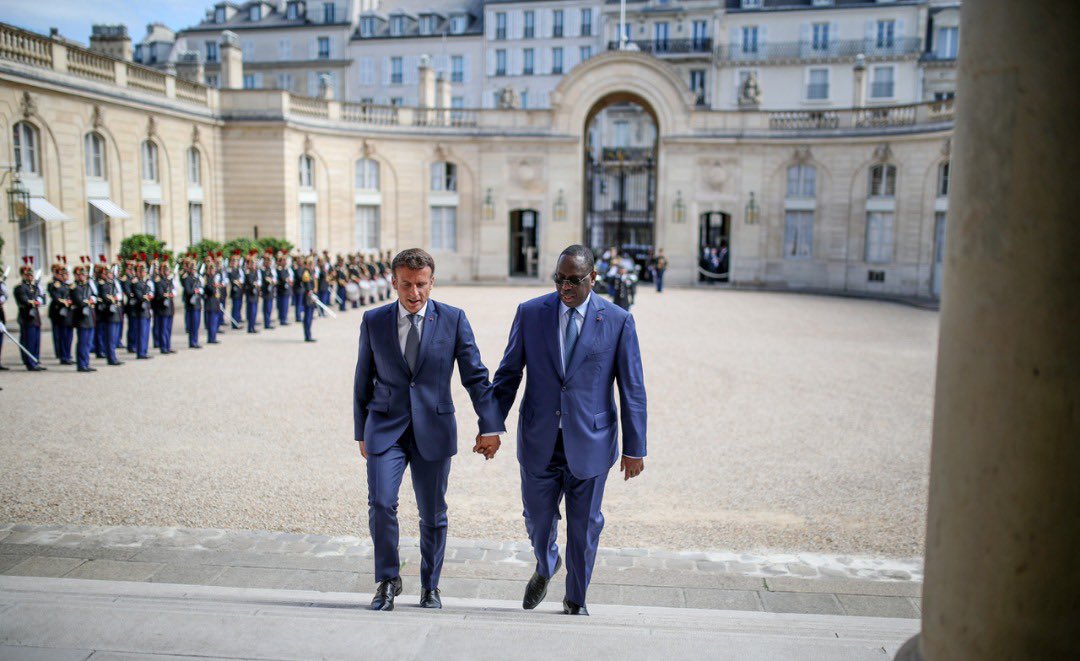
(307, 172)
(802, 181)
(149, 161)
(367, 174)
(96, 166)
(443, 176)
(883, 180)
(194, 167)
(943, 180)
(27, 160)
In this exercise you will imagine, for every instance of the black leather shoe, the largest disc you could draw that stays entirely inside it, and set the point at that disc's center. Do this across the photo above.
(118, 362)
(212, 342)
(87, 369)
(36, 368)
(430, 599)
(536, 590)
(4, 369)
(570, 608)
(194, 346)
(146, 357)
(311, 339)
(385, 593)
(67, 362)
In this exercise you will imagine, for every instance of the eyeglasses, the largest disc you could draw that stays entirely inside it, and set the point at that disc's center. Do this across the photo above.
(573, 282)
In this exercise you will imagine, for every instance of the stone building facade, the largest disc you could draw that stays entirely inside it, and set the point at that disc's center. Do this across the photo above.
(846, 200)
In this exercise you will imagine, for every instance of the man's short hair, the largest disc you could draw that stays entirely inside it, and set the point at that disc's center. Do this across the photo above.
(414, 259)
(578, 251)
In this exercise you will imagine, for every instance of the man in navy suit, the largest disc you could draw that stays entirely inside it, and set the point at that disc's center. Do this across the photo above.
(404, 415)
(575, 348)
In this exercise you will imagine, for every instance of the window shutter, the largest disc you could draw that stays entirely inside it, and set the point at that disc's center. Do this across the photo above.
(763, 32)
(466, 68)
(518, 21)
(869, 32)
(547, 21)
(410, 63)
(899, 28)
(313, 48)
(333, 47)
(734, 43)
(491, 63)
(572, 22)
(386, 71)
(489, 25)
(834, 33)
(805, 34)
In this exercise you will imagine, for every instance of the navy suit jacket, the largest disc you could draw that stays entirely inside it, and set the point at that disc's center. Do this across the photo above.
(387, 396)
(583, 399)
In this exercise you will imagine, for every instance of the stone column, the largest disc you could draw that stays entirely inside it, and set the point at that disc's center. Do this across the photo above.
(1002, 570)
(443, 98)
(232, 62)
(859, 93)
(426, 94)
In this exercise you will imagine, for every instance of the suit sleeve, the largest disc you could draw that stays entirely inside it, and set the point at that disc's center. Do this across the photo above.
(363, 382)
(474, 376)
(631, 381)
(508, 376)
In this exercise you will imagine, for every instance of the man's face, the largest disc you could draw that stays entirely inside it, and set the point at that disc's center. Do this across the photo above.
(80, 276)
(574, 280)
(413, 287)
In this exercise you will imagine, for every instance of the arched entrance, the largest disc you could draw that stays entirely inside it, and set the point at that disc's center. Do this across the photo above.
(714, 241)
(620, 177)
(523, 247)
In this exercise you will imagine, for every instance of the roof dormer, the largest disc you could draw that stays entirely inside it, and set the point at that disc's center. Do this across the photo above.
(295, 10)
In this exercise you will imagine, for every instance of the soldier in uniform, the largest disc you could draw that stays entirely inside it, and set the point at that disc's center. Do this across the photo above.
(358, 274)
(29, 299)
(60, 311)
(110, 309)
(308, 284)
(215, 297)
(164, 306)
(341, 278)
(298, 288)
(283, 290)
(128, 277)
(322, 283)
(192, 288)
(236, 288)
(140, 295)
(3, 317)
(252, 278)
(268, 290)
(83, 302)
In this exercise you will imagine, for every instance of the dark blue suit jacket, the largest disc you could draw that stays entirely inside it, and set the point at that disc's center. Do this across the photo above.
(584, 399)
(387, 397)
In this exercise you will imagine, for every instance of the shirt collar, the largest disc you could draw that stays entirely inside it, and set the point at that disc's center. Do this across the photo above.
(403, 313)
(581, 309)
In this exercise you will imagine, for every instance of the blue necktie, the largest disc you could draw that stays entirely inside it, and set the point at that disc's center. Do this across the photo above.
(570, 338)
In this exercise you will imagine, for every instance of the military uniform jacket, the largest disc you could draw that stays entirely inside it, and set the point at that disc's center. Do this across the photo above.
(297, 285)
(164, 306)
(137, 305)
(236, 282)
(109, 311)
(192, 287)
(324, 281)
(215, 291)
(59, 313)
(25, 294)
(251, 282)
(307, 285)
(284, 274)
(81, 307)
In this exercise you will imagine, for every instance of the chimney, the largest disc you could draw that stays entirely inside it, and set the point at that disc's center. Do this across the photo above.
(860, 87)
(232, 61)
(427, 83)
(111, 40)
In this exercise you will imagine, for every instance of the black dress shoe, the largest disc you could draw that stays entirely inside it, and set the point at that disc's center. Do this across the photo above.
(4, 369)
(37, 368)
(311, 339)
(385, 593)
(67, 362)
(212, 342)
(536, 590)
(430, 598)
(87, 369)
(570, 608)
(115, 362)
(146, 357)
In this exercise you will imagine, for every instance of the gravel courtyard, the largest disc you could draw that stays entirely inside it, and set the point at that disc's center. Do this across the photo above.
(777, 422)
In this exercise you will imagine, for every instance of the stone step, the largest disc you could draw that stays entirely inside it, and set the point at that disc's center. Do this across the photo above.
(60, 618)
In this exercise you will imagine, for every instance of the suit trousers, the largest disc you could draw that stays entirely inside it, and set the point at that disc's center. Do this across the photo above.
(429, 479)
(540, 495)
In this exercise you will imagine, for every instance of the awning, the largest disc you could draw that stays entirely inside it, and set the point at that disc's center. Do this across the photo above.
(41, 208)
(109, 208)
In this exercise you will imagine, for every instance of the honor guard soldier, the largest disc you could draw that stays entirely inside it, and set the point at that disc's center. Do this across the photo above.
(60, 313)
(193, 295)
(322, 283)
(283, 290)
(222, 279)
(214, 300)
(236, 288)
(127, 278)
(298, 288)
(3, 317)
(164, 306)
(29, 299)
(110, 310)
(341, 279)
(140, 295)
(83, 302)
(308, 284)
(251, 290)
(358, 275)
(268, 289)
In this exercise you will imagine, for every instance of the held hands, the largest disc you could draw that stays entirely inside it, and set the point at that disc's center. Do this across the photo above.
(487, 446)
(631, 467)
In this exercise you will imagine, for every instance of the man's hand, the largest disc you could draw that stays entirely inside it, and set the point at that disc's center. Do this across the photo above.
(631, 467)
(487, 446)
(363, 450)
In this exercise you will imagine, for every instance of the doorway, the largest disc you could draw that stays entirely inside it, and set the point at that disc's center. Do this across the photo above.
(523, 257)
(714, 247)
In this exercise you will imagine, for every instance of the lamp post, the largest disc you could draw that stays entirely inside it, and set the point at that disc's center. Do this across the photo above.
(18, 199)
(751, 216)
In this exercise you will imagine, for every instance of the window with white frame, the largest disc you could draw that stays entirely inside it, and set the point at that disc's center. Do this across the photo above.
(367, 26)
(500, 62)
(458, 24)
(879, 236)
(820, 37)
(798, 234)
(195, 233)
(443, 177)
(367, 174)
(529, 57)
(397, 70)
(149, 161)
(307, 172)
(802, 181)
(219, 15)
(457, 69)
(255, 12)
(584, 53)
(329, 13)
(427, 24)
(94, 146)
(397, 26)
(292, 11)
(750, 39)
(530, 24)
(586, 22)
(443, 228)
(882, 82)
(557, 59)
(697, 86)
(500, 25)
(211, 80)
(284, 81)
(211, 51)
(324, 48)
(817, 84)
(622, 133)
(457, 102)
(700, 38)
(284, 47)
(524, 99)
(194, 167)
(25, 141)
(886, 33)
(557, 24)
(751, 4)
(883, 180)
(307, 228)
(152, 219)
(367, 227)
(947, 43)
(249, 81)
(943, 180)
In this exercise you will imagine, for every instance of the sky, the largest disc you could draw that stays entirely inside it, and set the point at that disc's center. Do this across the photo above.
(74, 17)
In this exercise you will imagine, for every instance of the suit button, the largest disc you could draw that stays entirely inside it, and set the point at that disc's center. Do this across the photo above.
(558, 412)
(564, 388)
(412, 385)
